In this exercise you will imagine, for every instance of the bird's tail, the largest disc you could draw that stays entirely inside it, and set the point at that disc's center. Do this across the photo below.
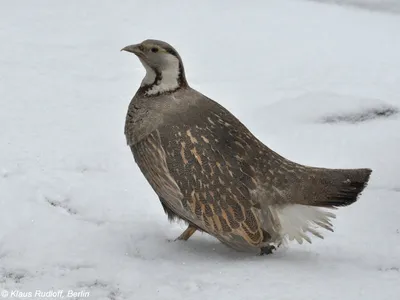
(313, 194)
(337, 187)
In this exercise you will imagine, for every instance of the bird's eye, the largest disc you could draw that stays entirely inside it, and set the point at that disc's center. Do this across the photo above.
(154, 50)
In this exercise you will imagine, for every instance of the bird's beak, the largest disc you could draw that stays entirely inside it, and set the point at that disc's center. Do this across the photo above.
(135, 49)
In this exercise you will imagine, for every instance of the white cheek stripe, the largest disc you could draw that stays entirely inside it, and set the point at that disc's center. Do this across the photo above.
(169, 76)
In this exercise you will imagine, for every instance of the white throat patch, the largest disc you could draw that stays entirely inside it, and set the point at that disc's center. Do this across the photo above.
(169, 76)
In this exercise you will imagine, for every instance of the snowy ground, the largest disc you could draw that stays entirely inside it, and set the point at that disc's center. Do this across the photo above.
(318, 83)
(389, 6)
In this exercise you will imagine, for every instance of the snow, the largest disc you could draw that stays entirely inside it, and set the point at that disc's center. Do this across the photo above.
(307, 78)
(389, 6)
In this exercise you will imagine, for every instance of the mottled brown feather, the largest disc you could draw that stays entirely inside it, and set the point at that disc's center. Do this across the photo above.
(223, 203)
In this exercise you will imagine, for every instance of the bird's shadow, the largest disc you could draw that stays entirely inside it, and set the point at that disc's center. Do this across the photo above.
(206, 249)
(202, 247)
(158, 243)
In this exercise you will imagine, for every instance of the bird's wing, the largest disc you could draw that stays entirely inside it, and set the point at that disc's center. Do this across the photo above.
(151, 159)
(212, 158)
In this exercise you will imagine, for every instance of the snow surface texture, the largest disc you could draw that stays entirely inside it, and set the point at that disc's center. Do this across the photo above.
(390, 6)
(311, 80)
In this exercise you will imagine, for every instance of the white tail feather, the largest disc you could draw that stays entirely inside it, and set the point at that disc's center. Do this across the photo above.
(298, 220)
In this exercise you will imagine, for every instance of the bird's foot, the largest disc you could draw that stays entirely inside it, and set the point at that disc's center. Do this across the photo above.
(267, 250)
(186, 234)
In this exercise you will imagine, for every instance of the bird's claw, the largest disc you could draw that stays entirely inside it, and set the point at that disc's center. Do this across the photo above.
(267, 250)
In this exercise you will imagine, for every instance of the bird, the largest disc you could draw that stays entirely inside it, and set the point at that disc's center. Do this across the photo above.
(209, 170)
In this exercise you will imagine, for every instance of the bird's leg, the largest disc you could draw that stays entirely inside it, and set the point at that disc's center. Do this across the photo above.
(267, 250)
(187, 233)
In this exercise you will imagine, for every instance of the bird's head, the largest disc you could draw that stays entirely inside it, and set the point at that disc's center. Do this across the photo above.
(164, 68)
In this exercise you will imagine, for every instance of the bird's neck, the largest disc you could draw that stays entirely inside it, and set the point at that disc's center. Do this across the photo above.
(158, 82)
